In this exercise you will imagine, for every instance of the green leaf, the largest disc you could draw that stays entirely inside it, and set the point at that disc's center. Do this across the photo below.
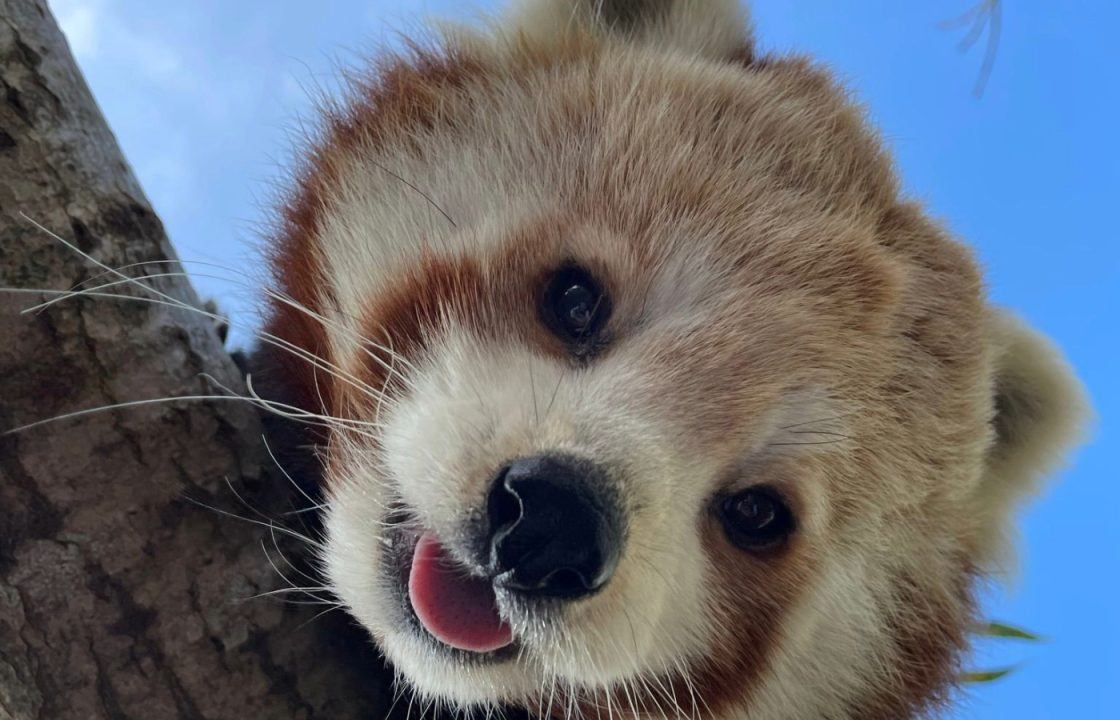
(986, 676)
(1003, 630)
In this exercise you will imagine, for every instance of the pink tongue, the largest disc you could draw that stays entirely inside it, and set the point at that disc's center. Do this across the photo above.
(459, 610)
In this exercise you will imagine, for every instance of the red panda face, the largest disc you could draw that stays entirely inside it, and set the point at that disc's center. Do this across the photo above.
(651, 395)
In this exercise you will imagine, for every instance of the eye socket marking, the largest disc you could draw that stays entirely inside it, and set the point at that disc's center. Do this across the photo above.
(574, 307)
(756, 519)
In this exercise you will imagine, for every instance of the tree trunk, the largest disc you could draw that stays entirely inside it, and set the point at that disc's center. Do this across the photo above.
(119, 598)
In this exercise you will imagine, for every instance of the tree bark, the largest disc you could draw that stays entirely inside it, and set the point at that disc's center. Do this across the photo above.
(119, 598)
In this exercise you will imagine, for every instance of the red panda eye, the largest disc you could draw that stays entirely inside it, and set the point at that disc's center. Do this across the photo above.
(573, 306)
(756, 518)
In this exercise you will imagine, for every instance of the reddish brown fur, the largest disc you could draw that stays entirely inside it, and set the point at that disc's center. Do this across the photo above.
(494, 297)
(862, 294)
(401, 96)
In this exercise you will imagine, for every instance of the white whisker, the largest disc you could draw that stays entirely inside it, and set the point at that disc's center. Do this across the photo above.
(270, 525)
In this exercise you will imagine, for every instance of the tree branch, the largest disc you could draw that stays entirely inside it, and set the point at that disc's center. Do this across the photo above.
(118, 598)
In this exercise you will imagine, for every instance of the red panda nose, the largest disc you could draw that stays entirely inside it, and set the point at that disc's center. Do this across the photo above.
(555, 527)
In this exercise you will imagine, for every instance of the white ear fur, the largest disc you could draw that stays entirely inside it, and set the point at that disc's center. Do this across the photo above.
(710, 28)
(1039, 414)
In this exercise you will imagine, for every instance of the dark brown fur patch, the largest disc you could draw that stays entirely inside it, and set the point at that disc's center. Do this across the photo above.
(434, 292)
(494, 296)
(930, 635)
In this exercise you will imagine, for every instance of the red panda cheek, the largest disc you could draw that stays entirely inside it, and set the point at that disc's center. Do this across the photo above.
(750, 597)
(406, 95)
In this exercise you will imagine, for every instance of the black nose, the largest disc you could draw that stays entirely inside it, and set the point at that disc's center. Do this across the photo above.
(555, 527)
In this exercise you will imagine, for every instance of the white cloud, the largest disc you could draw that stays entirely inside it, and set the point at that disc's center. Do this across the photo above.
(80, 21)
(102, 31)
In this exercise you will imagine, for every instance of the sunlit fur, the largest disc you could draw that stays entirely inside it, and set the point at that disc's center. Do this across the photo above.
(781, 316)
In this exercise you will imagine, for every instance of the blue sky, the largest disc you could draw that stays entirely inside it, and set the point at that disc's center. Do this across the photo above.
(207, 97)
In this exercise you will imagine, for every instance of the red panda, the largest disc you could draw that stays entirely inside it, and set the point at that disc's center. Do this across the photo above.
(645, 390)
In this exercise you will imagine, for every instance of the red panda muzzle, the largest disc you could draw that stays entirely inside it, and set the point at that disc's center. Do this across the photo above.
(556, 532)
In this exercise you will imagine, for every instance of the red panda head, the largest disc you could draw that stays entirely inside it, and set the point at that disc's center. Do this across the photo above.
(646, 391)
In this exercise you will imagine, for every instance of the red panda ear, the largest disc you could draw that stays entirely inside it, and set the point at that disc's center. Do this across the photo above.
(1038, 413)
(716, 29)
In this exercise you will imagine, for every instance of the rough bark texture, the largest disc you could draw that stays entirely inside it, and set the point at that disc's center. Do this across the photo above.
(118, 597)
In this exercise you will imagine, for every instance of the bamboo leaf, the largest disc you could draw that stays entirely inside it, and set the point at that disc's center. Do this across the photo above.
(1003, 630)
(986, 676)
